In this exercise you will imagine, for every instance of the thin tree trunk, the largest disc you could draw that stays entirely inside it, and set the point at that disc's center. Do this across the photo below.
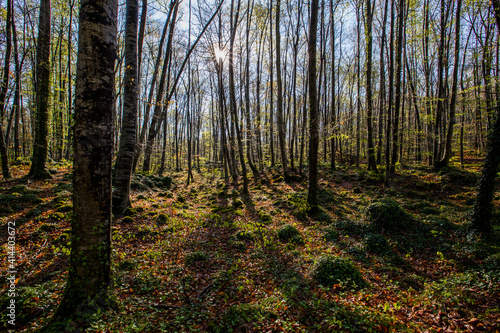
(369, 42)
(312, 195)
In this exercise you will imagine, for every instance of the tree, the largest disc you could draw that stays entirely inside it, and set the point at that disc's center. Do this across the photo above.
(483, 207)
(42, 88)
(453, 103)
(369, 42)
(312, 195)
(3, 90)
(279, 111)
(125, 156)
(90, 262)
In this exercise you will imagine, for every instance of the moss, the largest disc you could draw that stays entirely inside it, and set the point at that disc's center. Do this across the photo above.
(244, 235)
(162, 219)
(387, 214)
(127, 219)
(237, 203)
(47, 227)
(377, 244)
(57, 216)
(196, 257)
(265, 217)
(127, 265)
(130, 212)
(288, 233)
(65, 208)
(330, 270)
(331, 235)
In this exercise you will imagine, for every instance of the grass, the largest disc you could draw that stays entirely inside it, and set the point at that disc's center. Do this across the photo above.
(205, 258)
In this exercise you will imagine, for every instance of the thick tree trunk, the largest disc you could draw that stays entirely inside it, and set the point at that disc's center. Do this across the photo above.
(125, 156)
(483, 206)
(42, 88)
(90, 262)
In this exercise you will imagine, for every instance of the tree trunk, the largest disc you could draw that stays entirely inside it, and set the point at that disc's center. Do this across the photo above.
(125, 156)
(369, 42)
(90, 262)
(483, 206)
(451, 122)
(312, 195)
(42, 88)
(3, 90)
(232, 93)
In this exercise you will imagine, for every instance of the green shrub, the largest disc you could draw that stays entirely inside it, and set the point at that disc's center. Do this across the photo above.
(196, 257)
(387, 214)
(330, 270)
(288, 233)
(377, 244)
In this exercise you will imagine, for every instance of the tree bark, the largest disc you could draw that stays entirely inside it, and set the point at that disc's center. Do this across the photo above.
(483, 206)
(125, 156)
(3, 90)
(90, 262)
(369, 112)
(448, 153)
(312, 195)
(42, 88)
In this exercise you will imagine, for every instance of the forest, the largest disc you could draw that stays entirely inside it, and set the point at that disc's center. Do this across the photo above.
(250, 166)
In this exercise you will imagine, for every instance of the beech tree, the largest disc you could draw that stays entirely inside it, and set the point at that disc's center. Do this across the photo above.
(90, 262)
(42, 89)
(125, 157)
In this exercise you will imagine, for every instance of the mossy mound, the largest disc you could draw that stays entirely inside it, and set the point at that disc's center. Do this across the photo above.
(237, 203)
(377, 244)
(265, 216)
(330, 270)
(162, 218)
(388, 215)
(196, 257)
(127, 219)
(288, 233)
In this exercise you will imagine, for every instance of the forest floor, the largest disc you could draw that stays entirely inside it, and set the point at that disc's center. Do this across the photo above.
(204, 258)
